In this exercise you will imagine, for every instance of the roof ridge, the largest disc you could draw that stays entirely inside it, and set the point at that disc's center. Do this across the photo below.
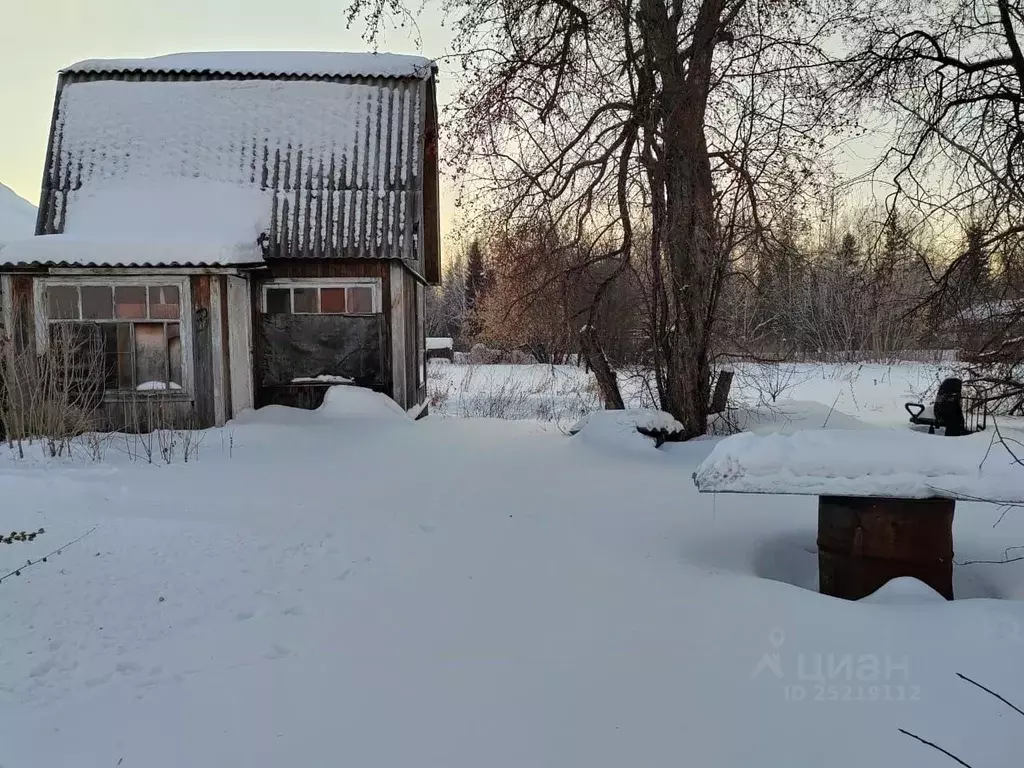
(269, 64)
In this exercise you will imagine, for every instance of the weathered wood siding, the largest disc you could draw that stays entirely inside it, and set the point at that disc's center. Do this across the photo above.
(240, 344)
(202, 350)
(143, 412)
(431, 194)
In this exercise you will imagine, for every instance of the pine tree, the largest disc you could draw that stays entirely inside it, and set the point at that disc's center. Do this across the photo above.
(476, 275)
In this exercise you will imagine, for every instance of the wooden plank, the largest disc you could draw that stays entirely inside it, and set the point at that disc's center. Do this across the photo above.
(431, 229)
(720, 397)
(239, 319)
(421, 342)
(202, 351)
(412, 343)
(6, 305)
(217, 351)
(399, 340)
(303, 268)
(24, 305)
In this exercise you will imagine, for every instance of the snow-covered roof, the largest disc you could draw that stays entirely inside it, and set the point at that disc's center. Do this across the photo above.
(337, 167)
(269, 63)
(69, 251)
(873, 462)
(17, 215)
(162, 222)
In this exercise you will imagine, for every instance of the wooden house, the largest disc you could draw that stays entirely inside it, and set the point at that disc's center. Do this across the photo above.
(236, 229)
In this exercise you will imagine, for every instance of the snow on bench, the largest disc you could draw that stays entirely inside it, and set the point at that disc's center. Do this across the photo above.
(863, 463)
(886, 498)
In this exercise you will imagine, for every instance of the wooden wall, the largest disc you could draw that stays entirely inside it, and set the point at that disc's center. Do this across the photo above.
(416, 392)
(210, 402)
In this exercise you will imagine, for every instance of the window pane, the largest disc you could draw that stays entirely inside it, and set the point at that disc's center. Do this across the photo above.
(111, 359)
(306, 300)
(120, 368)
(97, 302)
(174, 354)
(164, 303)
(150, 357)
(360, 300)
(63, 301)
(130, 302)
(77, 350)
(279, 301)
(332, 301)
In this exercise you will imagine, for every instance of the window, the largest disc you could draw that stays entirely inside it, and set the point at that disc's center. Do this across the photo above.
(136, 327)
(356, 296)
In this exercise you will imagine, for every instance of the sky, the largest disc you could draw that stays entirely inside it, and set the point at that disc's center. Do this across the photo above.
(40, 37)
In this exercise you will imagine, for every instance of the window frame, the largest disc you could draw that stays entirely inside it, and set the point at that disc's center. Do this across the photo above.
(184, 322)
(325, 282)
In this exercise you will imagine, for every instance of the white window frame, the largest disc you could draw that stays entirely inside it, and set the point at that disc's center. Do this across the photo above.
(183, 284)
(325, 282)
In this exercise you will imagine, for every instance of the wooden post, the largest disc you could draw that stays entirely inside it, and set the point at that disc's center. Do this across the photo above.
(720, 397)
(865, 542)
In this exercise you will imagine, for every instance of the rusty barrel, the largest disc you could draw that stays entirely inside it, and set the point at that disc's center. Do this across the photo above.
(865, 542)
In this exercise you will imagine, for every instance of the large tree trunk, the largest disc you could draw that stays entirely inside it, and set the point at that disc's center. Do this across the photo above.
(603, 372)
(687, 229)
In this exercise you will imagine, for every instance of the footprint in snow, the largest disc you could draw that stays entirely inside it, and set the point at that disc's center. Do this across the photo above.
(40, 670)
(244, 615)
(277, 652)
(96, 681)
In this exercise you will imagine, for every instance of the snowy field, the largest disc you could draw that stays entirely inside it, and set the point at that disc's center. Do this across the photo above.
(348, 587)
(563, 393)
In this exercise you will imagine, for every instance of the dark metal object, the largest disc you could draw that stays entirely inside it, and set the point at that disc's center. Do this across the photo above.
(948, 411)
(865, 542)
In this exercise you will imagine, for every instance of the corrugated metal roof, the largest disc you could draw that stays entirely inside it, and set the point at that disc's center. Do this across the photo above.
(342, 162)
(141, 264)
(269, 64)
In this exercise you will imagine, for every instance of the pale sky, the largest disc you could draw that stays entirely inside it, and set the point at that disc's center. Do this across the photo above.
(39, 37)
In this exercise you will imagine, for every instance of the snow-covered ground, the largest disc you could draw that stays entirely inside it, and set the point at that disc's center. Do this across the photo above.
(563, 393)
(17, 216)
(350, 587)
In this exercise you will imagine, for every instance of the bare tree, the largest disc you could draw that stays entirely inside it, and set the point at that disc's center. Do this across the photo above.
(951, 72)
(684, 121)
(53, 395)
(446, 308)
